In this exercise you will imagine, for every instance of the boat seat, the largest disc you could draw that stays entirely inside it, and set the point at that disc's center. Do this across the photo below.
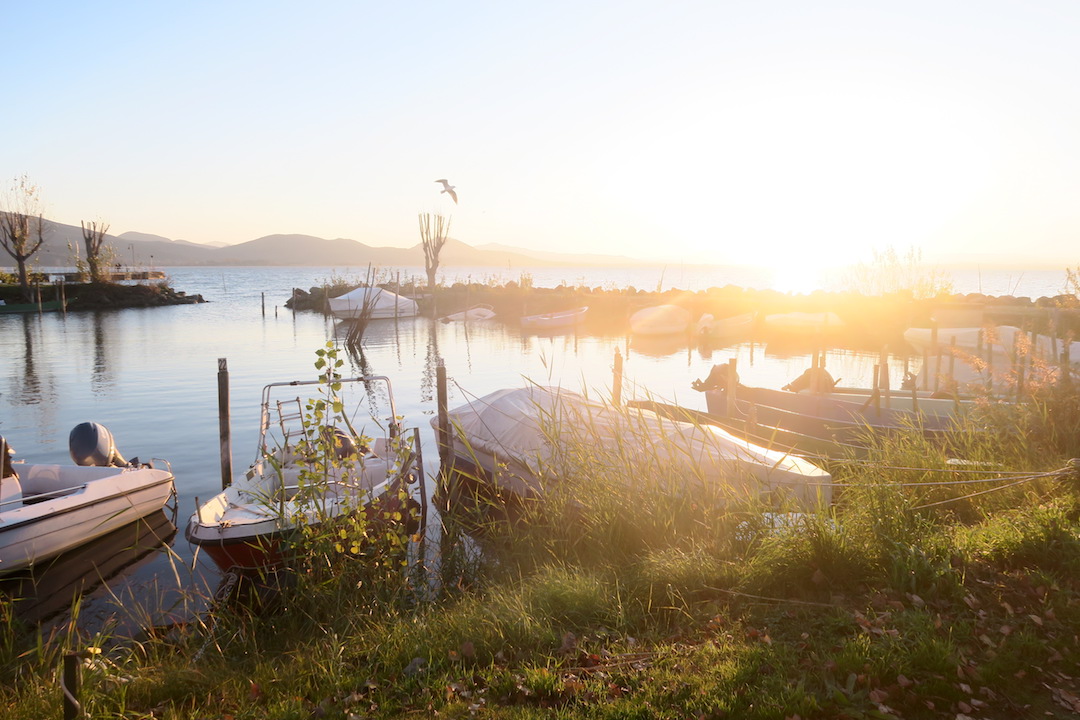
(47, 480)
(10, 492)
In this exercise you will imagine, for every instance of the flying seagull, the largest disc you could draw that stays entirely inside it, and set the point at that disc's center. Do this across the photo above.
(448, 188)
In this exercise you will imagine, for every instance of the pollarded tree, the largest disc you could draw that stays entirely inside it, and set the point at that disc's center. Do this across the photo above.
(96, 251)
(434, 231)
(22, 227)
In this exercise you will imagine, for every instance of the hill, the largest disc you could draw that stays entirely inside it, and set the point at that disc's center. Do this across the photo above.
(64, 242)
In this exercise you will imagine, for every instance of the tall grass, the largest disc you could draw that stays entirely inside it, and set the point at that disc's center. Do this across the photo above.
(630, 589)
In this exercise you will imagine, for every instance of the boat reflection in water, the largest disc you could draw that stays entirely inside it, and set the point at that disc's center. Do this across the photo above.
(48, 589)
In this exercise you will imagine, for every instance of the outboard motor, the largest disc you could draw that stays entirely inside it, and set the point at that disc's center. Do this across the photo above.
(91, 443)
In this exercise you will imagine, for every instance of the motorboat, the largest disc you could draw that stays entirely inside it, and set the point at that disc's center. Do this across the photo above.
(47, 509)
(554, 320)
(477, 313)
(522, 440)
(372, 303)
(350, 457)
(660, 320)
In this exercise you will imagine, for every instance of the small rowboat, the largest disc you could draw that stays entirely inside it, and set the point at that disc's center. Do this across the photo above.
(553, 320)
(477, 313)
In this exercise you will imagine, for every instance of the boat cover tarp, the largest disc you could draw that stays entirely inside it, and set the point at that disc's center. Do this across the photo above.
(382, 303)
(548, 432)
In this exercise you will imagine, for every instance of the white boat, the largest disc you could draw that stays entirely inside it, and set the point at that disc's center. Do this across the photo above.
(709, 326)
(477, 313)
(554, 320)
(660, 320)
(523, 439)
(47, 509)
(373, 303)
(359, 460)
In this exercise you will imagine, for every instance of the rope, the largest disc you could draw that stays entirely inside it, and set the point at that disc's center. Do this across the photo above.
(971, 495)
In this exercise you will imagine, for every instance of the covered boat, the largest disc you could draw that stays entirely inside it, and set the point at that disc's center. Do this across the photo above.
(302, 474)
(47, 509)
(523, 439)
(373, 303)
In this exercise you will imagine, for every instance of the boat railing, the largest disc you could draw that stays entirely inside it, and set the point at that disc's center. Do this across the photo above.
(33, 498)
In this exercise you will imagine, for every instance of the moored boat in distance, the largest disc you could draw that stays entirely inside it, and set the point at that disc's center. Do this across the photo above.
(477, 313)
(735, 326)
(363, 464)
(47, 509)
(44, 306)
(554, 320)
(372, 303)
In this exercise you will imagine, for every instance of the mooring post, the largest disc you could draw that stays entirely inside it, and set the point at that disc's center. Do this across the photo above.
(731, 381)
(71, 686)
(444, 414)
(263, 304)
(616, 382)
(223, 422)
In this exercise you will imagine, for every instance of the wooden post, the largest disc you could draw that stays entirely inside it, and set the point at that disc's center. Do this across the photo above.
(937, 356)
(616, 382)
(63, 296)
(731, 383)
(1019, 365)
(443, 432)
(263, 304)
(876, 395)
(883, 359)
(71, 686)
(224, 424)
(952, 365)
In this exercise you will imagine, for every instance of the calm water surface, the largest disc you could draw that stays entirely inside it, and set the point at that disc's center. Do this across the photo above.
(150, 376)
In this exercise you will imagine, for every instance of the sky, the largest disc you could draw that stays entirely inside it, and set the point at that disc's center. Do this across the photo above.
(773, 132)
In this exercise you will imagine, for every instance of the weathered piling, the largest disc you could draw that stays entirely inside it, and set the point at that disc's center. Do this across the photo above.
(224, 424)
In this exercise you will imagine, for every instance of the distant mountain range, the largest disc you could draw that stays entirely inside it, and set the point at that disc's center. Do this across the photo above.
(146, 250)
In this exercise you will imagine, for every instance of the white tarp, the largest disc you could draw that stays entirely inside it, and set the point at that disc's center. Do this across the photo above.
(542, 432)
(380, 303)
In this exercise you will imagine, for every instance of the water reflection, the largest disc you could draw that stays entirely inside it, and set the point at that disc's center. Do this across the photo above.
(27, 387)
(102, 380)
(46, 590)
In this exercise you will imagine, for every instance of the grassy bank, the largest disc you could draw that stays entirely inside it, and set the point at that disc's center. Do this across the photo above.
(104, 296)
(923, 591)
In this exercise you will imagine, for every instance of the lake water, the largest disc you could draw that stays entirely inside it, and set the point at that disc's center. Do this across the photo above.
(150, 375)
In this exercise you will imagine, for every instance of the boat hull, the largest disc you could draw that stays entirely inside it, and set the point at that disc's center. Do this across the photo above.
(555, 320)
(33, 530)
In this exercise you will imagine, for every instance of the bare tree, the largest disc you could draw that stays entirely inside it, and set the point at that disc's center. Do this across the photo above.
(434, 231)
(94, 238)
(22, 226)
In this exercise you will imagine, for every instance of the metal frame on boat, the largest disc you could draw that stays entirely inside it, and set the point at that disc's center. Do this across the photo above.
(308, 472)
